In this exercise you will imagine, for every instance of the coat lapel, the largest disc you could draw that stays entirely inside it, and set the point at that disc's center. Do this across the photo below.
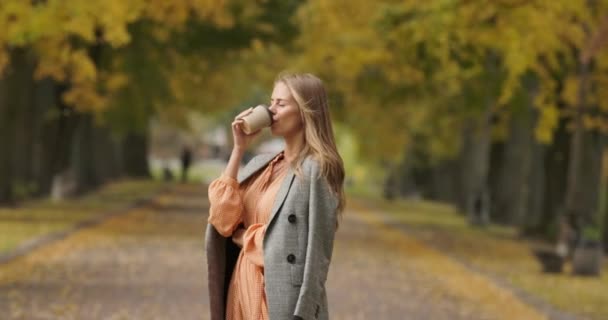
(252, 168)
(282, 193)
(260, 163)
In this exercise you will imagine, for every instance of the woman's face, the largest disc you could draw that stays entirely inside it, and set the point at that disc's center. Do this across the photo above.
(287, 120)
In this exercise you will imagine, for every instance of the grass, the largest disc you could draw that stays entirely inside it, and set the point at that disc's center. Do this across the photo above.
(14, 233)
(498, 251)
(41, 217)
(200, 172)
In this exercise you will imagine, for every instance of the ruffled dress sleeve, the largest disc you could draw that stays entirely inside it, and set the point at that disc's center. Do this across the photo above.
(225, 205)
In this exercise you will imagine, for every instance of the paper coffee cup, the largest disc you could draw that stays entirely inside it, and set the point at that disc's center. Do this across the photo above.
(260, 117)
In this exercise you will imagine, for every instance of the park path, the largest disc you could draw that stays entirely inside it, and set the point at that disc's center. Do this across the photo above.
(149, 264)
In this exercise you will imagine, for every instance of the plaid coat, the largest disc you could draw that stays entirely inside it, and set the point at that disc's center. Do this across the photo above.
(297, 247)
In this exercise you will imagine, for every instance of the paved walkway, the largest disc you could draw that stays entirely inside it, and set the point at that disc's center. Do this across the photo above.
(149, 264)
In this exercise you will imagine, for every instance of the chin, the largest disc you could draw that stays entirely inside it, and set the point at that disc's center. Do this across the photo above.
(274, 132)
(282, 131)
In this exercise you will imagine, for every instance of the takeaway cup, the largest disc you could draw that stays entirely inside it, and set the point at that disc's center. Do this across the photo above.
(260, 117)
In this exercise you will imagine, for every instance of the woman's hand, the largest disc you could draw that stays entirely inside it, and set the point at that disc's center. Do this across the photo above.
(240, 138)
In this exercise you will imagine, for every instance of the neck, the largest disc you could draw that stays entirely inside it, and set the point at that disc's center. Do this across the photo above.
(293, 146)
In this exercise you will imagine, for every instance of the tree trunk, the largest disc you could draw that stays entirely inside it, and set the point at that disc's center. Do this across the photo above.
(584, 171)
(46, 123)
(604, 203)
(605, 228)
(21, 87)
(25, 130)
(135, 155)
(476, 143)
(536, 194)
(96, 156)
(495, 180)
(475, 162)
(84, 158)
(584, 177)
(390, 189)
(445, 179)
(415, 175)
(514, 181)
(556, 159)
(6, 139)
(64, 130)
(511, 198)
(107, 150)
(15, 142)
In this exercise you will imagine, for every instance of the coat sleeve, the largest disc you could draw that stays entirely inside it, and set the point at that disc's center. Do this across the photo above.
(321, 231)
(225, 205)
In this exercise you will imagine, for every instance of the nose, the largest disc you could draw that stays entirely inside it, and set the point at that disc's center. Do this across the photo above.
(272, 109)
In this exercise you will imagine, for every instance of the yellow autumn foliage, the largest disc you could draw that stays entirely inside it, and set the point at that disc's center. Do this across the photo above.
(434, 54)
(396, 69)
(61, 34)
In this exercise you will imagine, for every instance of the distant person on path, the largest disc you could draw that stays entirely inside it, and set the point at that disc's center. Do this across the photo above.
(186, 158)
(272, 224)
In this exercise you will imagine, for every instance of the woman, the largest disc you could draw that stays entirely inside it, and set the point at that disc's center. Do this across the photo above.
(272, 225)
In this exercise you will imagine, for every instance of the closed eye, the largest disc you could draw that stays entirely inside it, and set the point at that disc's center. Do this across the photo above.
(279, 101)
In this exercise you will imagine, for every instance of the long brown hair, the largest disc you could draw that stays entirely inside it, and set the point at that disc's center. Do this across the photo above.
(311, 97)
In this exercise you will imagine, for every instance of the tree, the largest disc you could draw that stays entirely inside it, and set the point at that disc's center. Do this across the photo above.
(86, 50)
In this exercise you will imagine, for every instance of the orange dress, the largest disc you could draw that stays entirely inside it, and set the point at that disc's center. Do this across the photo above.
(249, 203)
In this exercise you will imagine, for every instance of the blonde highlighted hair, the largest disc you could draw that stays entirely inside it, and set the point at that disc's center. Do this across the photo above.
(309, 93)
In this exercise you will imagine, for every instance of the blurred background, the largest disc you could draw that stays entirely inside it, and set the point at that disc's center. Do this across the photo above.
(475, 127)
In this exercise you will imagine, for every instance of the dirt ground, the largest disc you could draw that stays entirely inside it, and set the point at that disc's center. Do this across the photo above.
(149, 263)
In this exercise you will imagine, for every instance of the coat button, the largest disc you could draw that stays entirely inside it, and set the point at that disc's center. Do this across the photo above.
(291, 258)
(292, 218)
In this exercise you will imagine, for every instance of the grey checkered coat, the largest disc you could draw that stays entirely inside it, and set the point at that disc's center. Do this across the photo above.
(297, 247)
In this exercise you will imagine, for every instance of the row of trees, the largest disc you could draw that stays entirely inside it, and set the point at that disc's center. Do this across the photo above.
(497, 102)
(80, 81)
(476, 102)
